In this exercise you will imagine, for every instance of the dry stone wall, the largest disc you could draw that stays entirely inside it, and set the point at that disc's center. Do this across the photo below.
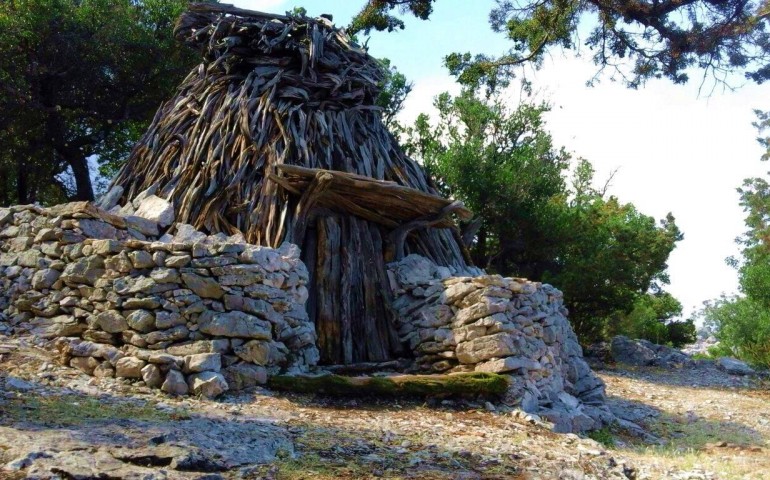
(191, 314)
(130, 294)
(511, 326)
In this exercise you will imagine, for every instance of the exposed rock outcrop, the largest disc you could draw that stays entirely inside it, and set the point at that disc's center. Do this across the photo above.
(639, 352)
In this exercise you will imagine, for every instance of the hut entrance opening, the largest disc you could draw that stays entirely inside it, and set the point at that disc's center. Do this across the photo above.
(276, 135)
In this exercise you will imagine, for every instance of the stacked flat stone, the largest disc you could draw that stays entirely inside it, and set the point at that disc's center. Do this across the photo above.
(512, 326)
(190, 314)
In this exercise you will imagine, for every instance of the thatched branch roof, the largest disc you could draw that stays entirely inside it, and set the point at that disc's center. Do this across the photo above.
(333, 68)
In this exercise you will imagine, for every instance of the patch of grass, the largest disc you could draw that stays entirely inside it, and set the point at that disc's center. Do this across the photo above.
(684, 435)
(701, 356)
(603, 436)
(329, 453)
(71, 410)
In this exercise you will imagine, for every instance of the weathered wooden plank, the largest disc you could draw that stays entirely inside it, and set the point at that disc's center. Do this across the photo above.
(452, 384)
(328, 282)
(376, 193)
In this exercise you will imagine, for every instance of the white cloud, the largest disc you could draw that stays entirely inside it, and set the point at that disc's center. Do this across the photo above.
(420, 100)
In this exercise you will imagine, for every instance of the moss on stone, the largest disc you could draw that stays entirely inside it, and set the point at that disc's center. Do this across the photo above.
(458, 384)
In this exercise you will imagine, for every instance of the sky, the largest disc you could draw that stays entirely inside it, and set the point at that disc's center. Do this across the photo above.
(675, 149)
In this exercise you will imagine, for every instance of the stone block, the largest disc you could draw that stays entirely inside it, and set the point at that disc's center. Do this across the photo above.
(207, 384)
(202, 362)
(235, 324)
(129, 367)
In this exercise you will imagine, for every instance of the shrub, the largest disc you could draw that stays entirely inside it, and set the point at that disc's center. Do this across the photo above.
(743, 329)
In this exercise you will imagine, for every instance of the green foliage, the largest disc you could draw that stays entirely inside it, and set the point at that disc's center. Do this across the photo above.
(375, 15)
(530, 222)
(80, 78)
(743, 328)
(742, 324)
(651, 319)
(603, 436)
(680, 333)
(611, 255)
(637, 41)
(394, 89)
(502, 164)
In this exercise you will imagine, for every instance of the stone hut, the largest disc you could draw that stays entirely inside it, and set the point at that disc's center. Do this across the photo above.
(276, 136)
(267, 222)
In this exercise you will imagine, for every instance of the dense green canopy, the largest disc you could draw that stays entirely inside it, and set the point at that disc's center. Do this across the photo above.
(659, 38)
(533, 221)
(79, 78)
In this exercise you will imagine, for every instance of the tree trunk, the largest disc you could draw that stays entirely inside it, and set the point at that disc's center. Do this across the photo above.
(22, 187)
(79, 164)
(480, 257)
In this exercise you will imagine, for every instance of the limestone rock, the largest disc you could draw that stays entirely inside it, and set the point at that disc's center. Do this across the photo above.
(243, 375)
(97, 229)
(45, 278)
(203, 286)
(169, 335)
(141, 259)
(84, 270)
(625, 350)
(29, 258)
(129, 367)
(235, 324)
(202, 362)
(156, 209)
(86, 365)
(175, 383)
(141, 320)
(165, 275)
(59, 326)
(106, 246)
(483, 348)
(104, 370)
(187, 234)
(254, 351)
(177, 261)
(149, 303)
(111, 198)
(207, 384)
(508, 364)
(734, 366)
(152, 376)
(164, 320)
(143, 225)
(111, 321)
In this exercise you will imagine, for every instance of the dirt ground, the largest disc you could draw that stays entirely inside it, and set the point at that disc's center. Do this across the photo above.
(58, 423)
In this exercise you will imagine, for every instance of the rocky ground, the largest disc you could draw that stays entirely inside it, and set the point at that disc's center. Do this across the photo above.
(56, 422)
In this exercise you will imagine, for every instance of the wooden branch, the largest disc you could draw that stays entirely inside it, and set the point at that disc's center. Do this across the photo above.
(283, 183)
(314, 192)
(381, 201)
(233, 10)
(453, 384)
(396, 239)
(470, 231)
